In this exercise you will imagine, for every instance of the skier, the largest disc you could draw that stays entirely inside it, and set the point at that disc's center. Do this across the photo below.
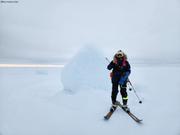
(119, 76)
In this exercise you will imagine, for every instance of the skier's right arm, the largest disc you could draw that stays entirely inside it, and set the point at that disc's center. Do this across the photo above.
(111, 65)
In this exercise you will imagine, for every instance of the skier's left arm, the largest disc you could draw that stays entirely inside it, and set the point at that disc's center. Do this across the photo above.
(126, 72)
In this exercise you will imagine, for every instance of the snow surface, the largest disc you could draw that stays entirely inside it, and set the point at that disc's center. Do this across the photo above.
(33, 102)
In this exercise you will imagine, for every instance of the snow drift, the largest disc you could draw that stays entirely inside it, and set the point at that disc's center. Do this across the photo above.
(87, 70)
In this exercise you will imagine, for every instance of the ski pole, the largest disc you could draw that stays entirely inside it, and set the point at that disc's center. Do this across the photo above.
(107, 59)
(140, 101)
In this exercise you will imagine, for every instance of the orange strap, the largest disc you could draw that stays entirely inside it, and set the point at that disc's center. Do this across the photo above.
(111, 74)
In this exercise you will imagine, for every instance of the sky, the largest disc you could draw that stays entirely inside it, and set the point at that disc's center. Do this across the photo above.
(54, 31)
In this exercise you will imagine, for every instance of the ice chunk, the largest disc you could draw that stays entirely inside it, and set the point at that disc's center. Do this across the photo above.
(87, 70)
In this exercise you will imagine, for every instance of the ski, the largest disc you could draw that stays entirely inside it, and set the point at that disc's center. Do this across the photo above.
(130, 113)
(109, 114)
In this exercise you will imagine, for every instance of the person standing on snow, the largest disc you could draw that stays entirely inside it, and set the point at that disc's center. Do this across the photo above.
(120, 71)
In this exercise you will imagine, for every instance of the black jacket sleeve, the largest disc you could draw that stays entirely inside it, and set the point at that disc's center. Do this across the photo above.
(111, 65)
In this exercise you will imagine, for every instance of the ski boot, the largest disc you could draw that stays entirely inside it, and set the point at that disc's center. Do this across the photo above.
(125, 108)
(113, 107)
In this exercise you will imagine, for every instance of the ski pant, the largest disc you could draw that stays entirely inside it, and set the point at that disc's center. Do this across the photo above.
(122, 91)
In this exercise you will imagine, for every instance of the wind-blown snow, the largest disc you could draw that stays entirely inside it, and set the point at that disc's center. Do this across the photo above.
(87, 70)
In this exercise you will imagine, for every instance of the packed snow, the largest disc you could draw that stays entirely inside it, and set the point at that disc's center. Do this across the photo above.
(87, 70)
(35, 102)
